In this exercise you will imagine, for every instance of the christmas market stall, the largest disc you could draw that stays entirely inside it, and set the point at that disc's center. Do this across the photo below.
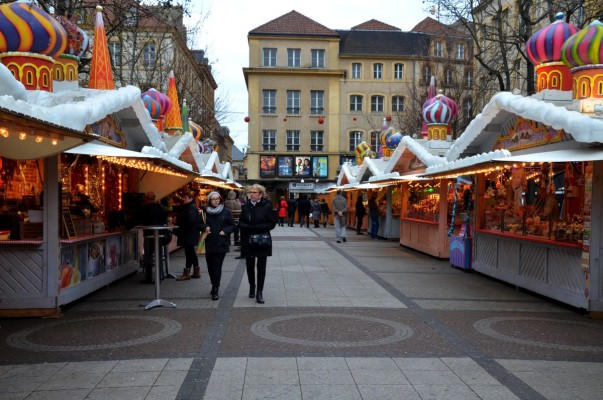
(538, 211)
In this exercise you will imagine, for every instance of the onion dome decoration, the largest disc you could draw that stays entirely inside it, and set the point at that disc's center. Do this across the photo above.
(361, 148)
(438, 111)
(393, 141)
(386, 134)
(451, 104)
(77, 39)
(584, 47)
(583, 53)
(367, 153)
(164, 102)
(152, 106)
(545, 45)
(25, 27)
(195, 129)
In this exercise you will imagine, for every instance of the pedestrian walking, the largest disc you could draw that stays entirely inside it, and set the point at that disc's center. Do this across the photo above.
(189, 224)
(340, 209)
(151, 214)
(324, 210)
(282, 211)
(360, 213)
(291, 208)
(316, 210)
(373, 215)
(218, 225)
(234, 205)
(257, 218)
(303, 209)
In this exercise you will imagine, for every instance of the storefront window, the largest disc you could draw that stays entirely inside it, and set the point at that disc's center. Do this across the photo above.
(544, 201)
(423, 202)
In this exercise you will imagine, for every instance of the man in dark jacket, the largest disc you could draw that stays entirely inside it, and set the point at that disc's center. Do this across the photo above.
(151, 214)
(303, 209)
(360, 213)
(291, 208)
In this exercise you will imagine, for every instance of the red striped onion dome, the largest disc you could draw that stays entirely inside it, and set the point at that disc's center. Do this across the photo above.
(25, 27)
(545, 45)
(77, 39)
(454, 108)
(361, 148)
(205, 147)
(152, 106)
(195, 129)
(385, 134)
(584, 47)
(368, 153)
(393, 141)
(165, 104)
(437, 111)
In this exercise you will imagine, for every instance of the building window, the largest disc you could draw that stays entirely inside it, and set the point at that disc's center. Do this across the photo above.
(355, 139)
(460, 51)
(318, 58)
(292, 140)
(149, 55)
(469, 78)
(448, 77)
(426, 74)
(317, 102)
(115, 52)
(316, 140)
(438, 49)
(268, 140)
(467, 110)
(355, 103)
(398, 71)
(397, 103)
(377, 103)
(293, 100)
(294, 58)
(375, 140)
(269, 57)
(356, 71)
(269, 106)
(377, 71)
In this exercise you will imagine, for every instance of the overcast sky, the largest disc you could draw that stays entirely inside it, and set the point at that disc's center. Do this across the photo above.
(225, 30)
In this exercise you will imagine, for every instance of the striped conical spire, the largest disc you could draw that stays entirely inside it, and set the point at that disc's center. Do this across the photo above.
(173, 119)
(101, 75)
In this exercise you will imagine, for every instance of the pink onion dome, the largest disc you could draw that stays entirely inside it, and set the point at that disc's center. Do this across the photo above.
(385, 134)
(584, 47)
(195, 129)
(77, 39)
(545, 45)
(393, 141)
(165, 104)
(437, 112)
(454, 108)
(25, 27)
(152, 106)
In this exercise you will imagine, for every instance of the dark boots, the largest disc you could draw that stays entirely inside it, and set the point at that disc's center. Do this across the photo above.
(259, 297)
(215, 293)
(251, 291)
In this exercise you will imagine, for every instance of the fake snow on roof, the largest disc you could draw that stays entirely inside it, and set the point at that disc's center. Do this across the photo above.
(583, 128)
(468, 161)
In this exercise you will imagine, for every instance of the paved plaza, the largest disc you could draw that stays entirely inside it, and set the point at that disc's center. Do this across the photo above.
(363, 320)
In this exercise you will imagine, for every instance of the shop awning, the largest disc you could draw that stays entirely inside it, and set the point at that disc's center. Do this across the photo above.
(23, 137)
(569, 155)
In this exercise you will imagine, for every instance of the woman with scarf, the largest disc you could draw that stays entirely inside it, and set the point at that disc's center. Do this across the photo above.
(218, 225)
(257, 217)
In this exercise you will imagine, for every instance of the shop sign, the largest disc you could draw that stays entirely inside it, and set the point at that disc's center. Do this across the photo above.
(302, 186)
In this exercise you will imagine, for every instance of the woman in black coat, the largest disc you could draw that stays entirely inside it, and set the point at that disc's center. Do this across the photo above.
(257, 216)
(188, 235)
(218, 224)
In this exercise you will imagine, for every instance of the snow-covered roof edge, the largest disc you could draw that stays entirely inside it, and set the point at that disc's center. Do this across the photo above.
(468, 161)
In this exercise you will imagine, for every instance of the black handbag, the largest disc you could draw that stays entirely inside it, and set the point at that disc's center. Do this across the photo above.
(260, 240)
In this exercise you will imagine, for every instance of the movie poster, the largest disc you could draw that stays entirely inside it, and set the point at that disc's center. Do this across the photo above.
(113, 252)
(320, 166)
(267, 166)
(303, 166)
(285, 166)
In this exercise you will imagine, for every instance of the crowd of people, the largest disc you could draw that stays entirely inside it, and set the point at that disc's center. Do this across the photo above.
(249, 221)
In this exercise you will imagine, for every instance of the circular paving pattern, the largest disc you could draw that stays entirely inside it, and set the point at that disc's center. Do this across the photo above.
(21, 339)
(485, 326)
(400, 331)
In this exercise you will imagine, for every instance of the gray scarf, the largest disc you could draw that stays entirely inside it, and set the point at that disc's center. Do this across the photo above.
(215, 210)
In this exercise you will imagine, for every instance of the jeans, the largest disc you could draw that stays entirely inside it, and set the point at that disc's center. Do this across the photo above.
(339, 222)
(374, 226)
